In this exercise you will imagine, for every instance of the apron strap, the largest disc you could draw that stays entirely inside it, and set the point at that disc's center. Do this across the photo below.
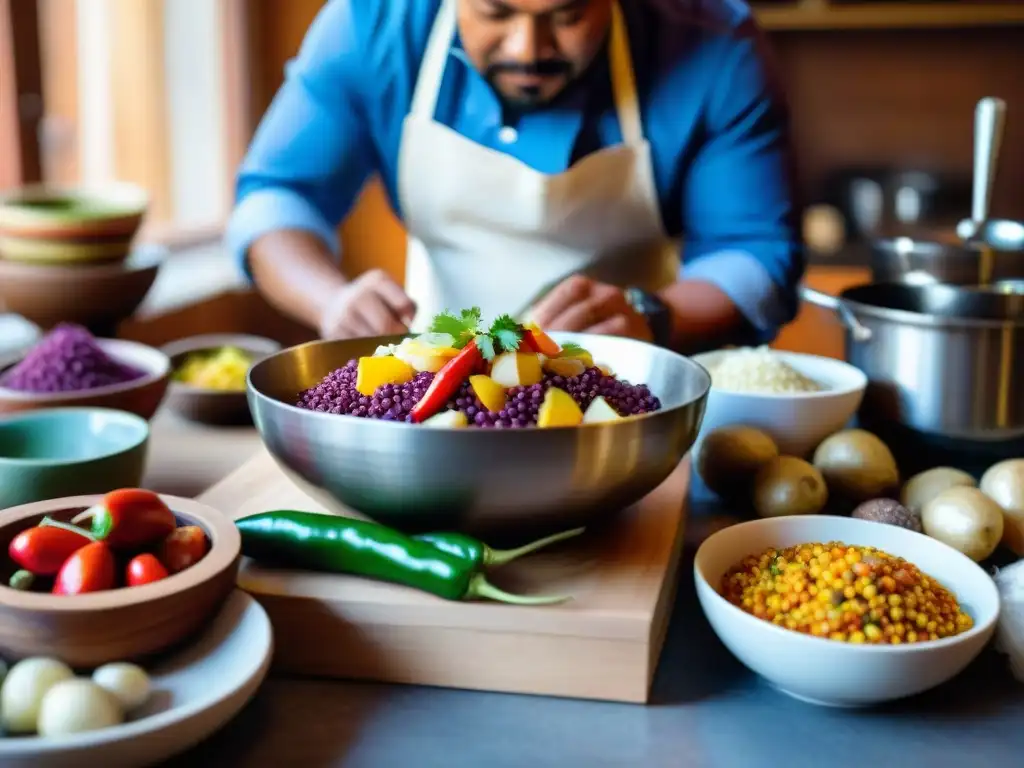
(624, 91)
(428, 81)
(627, 103)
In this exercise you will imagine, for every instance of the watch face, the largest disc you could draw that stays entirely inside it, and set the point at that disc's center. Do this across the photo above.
(654, 310)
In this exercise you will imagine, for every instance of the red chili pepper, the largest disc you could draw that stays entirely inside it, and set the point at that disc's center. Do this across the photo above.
(447, 382)
(540, 342)
(89, 569)
(183, 548)
(43, 549)
(144, 569)
(131, 518)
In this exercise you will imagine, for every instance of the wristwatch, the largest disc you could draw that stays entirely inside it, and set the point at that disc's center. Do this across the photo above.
(654, 311)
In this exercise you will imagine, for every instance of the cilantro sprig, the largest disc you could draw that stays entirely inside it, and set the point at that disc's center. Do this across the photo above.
(462, 327)
(504, 334)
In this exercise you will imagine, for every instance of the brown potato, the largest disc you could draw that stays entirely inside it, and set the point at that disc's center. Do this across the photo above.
(787, 485)
(729, 457)
(857, 465)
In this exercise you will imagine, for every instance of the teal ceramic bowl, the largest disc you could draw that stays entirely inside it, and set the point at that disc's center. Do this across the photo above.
(53, 453)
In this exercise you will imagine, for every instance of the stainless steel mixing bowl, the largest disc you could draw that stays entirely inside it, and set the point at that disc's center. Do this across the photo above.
(505, 484)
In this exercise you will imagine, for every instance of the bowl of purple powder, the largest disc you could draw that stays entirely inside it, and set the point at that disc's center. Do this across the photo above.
(512, 448)
(70, 367)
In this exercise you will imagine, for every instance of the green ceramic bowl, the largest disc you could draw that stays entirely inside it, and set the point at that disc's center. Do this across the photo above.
(73, 225)
(53, 453)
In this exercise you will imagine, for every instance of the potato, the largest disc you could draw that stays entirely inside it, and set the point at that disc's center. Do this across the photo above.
(857, 465)
(787, 485)
(516, 369)
(26, 684)
(1004, 484)
(729, 458)
(965, 519)
(925, 486)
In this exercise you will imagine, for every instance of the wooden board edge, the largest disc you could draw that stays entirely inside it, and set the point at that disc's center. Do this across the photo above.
(596, 669)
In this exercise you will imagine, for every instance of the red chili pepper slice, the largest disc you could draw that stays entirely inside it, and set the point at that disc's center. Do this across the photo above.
(183, 548)
(540, 342)
(131, 518)
(447, 382)
(144, 569)
(43, 549)
(89, 569)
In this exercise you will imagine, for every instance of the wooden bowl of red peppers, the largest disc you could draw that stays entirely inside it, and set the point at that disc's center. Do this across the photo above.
(95, 579)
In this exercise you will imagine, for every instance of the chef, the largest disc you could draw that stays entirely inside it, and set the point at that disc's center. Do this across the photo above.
(608, 166)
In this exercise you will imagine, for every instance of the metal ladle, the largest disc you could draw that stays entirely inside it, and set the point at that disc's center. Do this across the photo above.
(989, 124)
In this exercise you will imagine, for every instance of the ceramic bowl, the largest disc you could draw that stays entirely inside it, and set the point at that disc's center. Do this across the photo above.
(141, 397)
(206, 405)
(130, 623)
(797, 421)
(97, 296)
(46, 224)
(69, 452)
(830, 672)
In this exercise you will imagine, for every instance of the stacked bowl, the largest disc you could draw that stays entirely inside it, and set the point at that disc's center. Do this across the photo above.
(66, 255)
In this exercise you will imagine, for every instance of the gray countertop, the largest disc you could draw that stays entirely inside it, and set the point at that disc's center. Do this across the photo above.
(706, 708)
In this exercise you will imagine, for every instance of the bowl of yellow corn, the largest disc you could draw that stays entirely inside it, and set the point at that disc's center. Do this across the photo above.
(843, 612)
(209, 373)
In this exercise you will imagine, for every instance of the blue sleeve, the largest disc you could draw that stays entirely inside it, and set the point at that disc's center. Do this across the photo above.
(739, 212)
(312, 152)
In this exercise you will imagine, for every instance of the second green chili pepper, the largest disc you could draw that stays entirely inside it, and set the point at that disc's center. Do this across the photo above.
(345, 545)
(479, 554)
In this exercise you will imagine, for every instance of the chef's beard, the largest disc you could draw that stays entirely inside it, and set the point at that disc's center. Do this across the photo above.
(527, 98)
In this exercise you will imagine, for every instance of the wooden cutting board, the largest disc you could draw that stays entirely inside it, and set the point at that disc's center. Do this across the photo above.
(603, 644)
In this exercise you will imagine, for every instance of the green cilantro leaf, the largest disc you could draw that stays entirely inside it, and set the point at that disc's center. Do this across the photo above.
(485, 344)
(506, 332)
(572, 348)
(471, 317)
(462, 328)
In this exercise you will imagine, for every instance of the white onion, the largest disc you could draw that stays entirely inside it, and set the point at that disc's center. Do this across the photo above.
(77, 705)
(128, 683)
(24, 688)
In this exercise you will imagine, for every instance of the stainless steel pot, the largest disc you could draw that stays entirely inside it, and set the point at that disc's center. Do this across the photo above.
(921, 262)
(942, 360)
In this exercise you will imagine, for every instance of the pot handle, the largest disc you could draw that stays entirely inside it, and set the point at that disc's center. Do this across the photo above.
(858, 332)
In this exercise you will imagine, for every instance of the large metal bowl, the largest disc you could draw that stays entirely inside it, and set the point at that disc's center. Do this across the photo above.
(500, 483)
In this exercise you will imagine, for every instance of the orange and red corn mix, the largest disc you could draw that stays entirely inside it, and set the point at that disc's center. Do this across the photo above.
(853, 594)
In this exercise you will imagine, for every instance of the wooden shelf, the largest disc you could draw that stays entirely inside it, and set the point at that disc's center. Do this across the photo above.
(820, 15)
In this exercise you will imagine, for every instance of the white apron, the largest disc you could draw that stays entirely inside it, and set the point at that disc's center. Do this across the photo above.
(487, 230)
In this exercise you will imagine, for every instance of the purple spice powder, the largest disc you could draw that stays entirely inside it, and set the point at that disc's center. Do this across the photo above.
(68, 359)
(337, 393)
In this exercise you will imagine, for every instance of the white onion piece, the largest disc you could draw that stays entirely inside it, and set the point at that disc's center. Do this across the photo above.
(75, 706)
(128, 683)
(26, 684)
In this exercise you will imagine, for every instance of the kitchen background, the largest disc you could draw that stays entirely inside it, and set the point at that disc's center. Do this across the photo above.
(166, 94)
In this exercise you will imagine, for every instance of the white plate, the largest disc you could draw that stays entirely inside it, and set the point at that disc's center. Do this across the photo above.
(195, 693)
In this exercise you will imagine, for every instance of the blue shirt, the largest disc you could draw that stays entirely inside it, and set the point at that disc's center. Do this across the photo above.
(717, 130)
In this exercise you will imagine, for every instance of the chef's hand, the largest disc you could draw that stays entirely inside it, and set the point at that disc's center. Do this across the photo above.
(584, 305)
(371, 305)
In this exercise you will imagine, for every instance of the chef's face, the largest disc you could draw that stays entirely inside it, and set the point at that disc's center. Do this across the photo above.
(530, 50)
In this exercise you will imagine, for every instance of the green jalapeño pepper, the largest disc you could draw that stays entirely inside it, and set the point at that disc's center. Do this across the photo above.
(479, 554)
(344, 545)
